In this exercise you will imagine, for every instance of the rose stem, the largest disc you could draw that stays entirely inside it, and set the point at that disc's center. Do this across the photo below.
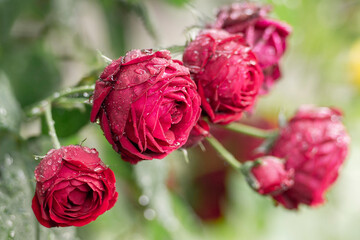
(225, 154)
(249, 130)
(39, 108)
(50, 122)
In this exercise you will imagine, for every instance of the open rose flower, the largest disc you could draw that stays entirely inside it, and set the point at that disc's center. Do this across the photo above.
(73, 187)
(314, 144)
(267, 37)
(147, 104)
(226, 72)
(268, 176)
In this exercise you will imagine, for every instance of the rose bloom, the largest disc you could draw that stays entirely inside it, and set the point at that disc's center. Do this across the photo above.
(147, 104)
(73, 187)
(267, 37)
(269, 175)
(314, 144)
(197, 134)
(226, 72)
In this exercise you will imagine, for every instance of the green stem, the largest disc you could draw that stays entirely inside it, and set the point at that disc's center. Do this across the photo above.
(50, 123)
(249, 130)
(224, 153)
(39, 108)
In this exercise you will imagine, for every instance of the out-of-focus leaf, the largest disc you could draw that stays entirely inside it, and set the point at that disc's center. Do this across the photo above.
(10, 112)
(68, 121)
(33, 73)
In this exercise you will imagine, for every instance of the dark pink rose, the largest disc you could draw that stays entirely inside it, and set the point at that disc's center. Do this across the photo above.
(226, 72)
(73, 187)
(267, 37)
(315, 144)
(268, 176)
(147, 104)
(198, 133)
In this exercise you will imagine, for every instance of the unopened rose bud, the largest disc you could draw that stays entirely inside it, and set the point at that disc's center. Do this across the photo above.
(267, 175)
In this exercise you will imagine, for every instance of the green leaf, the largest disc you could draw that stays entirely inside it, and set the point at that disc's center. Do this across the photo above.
(68, 121)
(10, 112)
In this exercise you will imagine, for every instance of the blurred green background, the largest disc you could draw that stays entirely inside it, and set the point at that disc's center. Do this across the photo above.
(48, 45)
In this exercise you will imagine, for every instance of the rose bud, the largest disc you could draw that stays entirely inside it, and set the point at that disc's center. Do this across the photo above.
(315, 144)
(267, 175)
(147, 104)
(73, 187)
(226, 72)
(197, 134)
(266, 37)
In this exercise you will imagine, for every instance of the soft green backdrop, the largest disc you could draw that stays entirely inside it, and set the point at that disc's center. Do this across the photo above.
(47, 45)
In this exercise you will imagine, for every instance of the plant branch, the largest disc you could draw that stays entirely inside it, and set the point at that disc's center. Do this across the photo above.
(40, 107)
(225, 154)
(251, 131)
(50, 123)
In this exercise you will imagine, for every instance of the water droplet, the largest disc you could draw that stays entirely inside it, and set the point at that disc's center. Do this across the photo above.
(9, 223)
(56, 95)
(252, 62)
(49, 162)
(140, 71)
(149, 214)
(3, 111)
(35, 111)
(98, 169)
(8, 160)
(85, 94)
(144, 200)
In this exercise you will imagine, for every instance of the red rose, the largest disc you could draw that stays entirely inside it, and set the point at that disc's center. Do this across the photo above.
(314, 144)
(198, 133)
(73, 187)
(267, 37)
(267, 175)
(147, 104)
(226, 72)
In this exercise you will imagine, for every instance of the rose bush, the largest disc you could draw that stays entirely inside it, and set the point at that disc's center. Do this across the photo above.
(314, 144)
(147, 104)
(73, 187)
(267, 37)
(268, 175)
(226, 72)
